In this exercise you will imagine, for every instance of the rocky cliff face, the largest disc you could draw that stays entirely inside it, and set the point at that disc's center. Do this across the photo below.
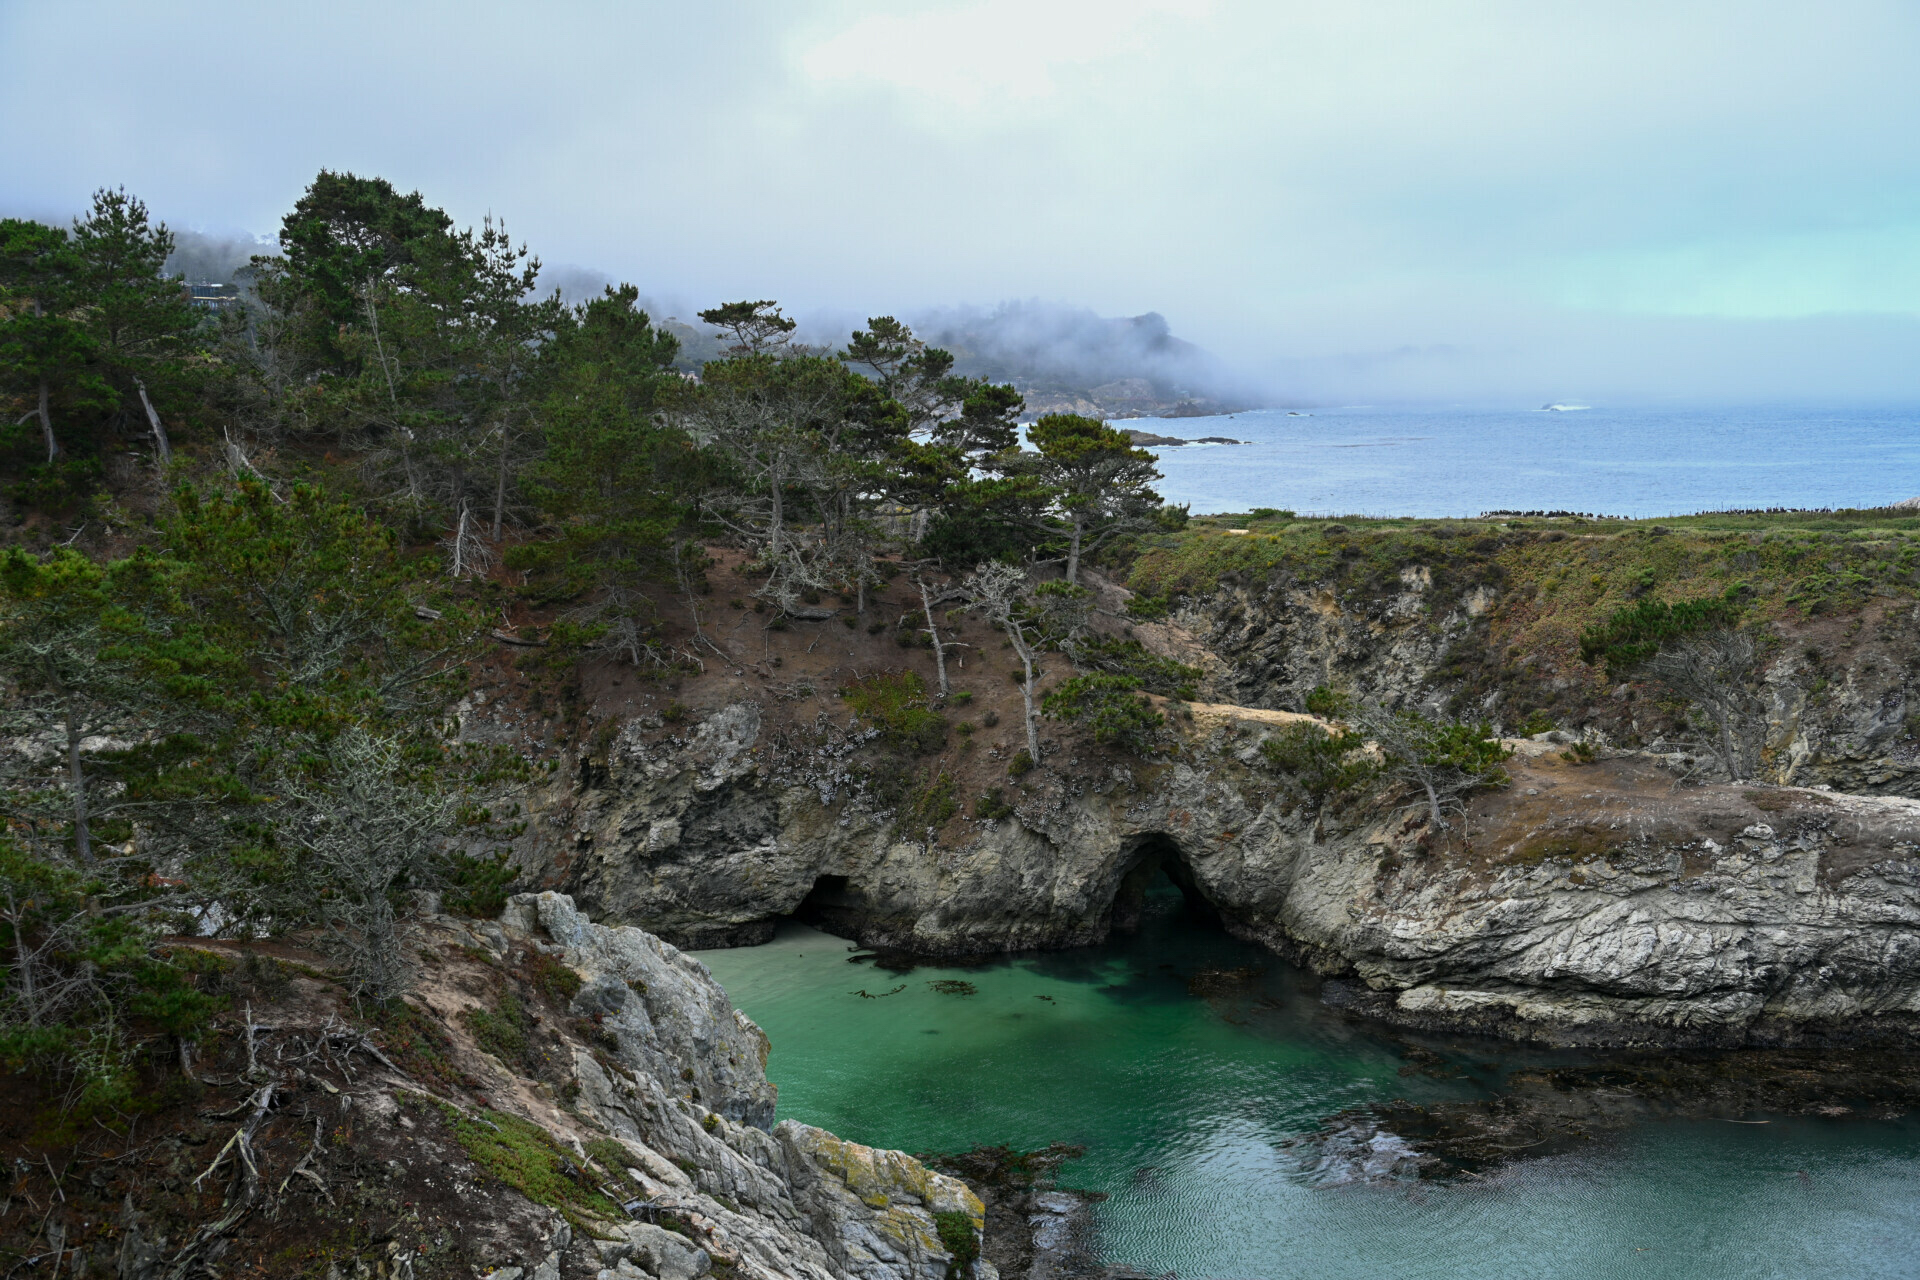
(1598, 903)
(1839, 689)
(557, 1100)
(678, 1083)
(1616, 901)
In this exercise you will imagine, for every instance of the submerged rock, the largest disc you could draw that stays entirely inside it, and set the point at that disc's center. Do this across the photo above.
(1546, 1111)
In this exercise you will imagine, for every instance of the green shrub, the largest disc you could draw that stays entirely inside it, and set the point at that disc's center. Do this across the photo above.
(84, 987)
(477, 887)
(1319, 762)
(1326, 701)
(611, 1156)
(523, 1156)
(1147, 608)
(552, 977)
(1156, 674)
(992, 806)
(1109, 705)
(1630, 636)
(1021, 764)
(957, 1237)
(930, 804)
(503, 1031)
(1536, 722)
(896, 704)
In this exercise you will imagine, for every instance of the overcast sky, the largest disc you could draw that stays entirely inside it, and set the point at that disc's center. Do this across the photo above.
(1529, 200)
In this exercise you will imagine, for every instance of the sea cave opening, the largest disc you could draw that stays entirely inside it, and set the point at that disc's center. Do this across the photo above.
(1158, 870)
(833, 906)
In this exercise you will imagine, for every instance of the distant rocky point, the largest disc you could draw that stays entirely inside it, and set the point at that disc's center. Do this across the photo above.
(1121, 398)
(1147, 438)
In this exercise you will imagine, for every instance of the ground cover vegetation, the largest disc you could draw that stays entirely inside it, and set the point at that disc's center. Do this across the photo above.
(1567, 615)
(249, 551)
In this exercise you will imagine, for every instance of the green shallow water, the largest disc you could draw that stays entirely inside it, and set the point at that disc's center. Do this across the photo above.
(1182, 1101)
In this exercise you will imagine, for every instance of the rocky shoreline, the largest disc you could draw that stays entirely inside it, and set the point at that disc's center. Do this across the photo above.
(1546, 1111)
(1588, 903)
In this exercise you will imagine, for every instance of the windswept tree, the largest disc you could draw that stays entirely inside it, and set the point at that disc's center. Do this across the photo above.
(958, 430)
(71, 654)
(757, 328)
(346, 239)
(384, 326)
(810, 447)
(613, 478)
(1721, 672)
(366, 823)
(1699, 650)
(48, 359)
(1097, 486)
(1446, 760)
(146, 332)
(1001, 592)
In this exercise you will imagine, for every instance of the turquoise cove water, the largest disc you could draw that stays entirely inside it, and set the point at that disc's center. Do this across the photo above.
(1612, 460)
(1183, 1101)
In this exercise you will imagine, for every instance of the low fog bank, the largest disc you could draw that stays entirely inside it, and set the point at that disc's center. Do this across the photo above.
(1064, 358)
(1067, 358)
(213, 257)
(1533, 357)
(1047, 346)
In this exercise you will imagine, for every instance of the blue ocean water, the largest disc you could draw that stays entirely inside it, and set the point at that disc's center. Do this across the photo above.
(1459, 461)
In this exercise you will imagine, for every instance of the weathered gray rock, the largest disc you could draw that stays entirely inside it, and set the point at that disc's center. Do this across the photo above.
(683, 1091)
(662, 1006)
(666, 1254)
(1607, 905)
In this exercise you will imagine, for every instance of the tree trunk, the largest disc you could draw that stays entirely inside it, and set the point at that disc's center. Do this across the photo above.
(1433, 802)
(1021, 647)
(933, 629)
(153, 420)
(1073, 554)
(46, 417)
(23, 965)
(77, 781)
(777, 529)
(1726, 748)
(46, 423)
(460, 540)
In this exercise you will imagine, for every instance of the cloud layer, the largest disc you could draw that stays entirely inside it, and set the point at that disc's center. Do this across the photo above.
(1391, 198)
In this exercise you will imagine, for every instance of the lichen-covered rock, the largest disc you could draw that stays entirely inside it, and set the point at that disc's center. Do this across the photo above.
(878, 1205)
(680, 1086)
(662, 1006)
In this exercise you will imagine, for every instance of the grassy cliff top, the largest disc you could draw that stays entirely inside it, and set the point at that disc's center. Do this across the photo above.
(1542, 581)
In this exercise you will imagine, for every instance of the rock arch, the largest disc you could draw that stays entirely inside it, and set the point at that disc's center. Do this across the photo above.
(1152, 855)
